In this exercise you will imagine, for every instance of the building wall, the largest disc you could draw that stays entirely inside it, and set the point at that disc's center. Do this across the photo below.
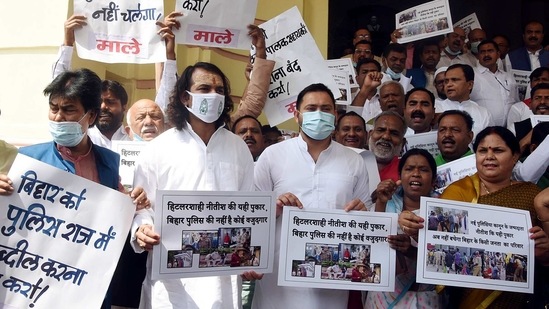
(27, 53)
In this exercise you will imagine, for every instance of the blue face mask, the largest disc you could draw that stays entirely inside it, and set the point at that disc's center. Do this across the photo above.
(318, 125)
(392, 74)
(67, 133)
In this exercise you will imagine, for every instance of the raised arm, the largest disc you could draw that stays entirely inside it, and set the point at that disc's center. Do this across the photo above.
(64, 56)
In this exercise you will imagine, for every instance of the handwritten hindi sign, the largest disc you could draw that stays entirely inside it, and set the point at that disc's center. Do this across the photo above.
(468, 23)
(215, 23)
(298, 64)
(348, 251)
(454, 171)
(424, 21)
(487, 242)
(427, 141)
(129, 152)
(120, 31)
(60, 238)
(213, 233)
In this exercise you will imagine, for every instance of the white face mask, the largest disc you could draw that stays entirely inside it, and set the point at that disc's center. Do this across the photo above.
(207, 106)
(67, 133)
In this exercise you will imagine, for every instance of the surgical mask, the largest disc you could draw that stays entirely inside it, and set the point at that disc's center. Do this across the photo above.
(392, 74)
(318, 125)
(67, 133)
(136, 137)
(474, 47)
(449, 51)
(207, 106)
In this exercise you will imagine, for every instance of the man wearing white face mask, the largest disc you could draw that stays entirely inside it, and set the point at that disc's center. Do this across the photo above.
(199, 153)
(316, 173)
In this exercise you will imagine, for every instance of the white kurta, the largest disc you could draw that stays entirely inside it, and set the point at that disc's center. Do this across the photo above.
(518, 112)
(179, 160)
(338, 176)
(496, 92)
(480, 115)
(99, 139)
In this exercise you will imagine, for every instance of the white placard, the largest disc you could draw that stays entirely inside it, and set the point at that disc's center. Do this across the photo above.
(454, 171)
(342, 80)
(329, 253)
(344, 64)
(129, 153)
(209, 233)
(215, 23)
(468, 23)
(60, 238)
(120, 31)
(481, 232)
(427, 141)
(424, 21)
(298, 64)
(523, 83)
(536, 119)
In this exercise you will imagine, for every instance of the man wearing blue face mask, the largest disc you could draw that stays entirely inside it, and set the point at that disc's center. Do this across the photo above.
(453, 52)
(309, 171)
(198, 153)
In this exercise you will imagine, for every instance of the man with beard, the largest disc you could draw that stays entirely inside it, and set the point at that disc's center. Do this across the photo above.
(454, 136)
(532, 55)
(494, 89)
(109, 126)
(419, 111)
(298, 182)
(452, 53)
(394, 61)
(386, 141)
(458, 83)
(145, 120)
(249, 129)
(424, 76)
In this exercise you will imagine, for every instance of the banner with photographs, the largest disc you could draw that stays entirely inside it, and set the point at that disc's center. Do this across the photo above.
(476, 246)
(60, 237)
(424, 21)
(348, 251)
(215, 23)
(213, 233)
(129, 153)
(454, 171)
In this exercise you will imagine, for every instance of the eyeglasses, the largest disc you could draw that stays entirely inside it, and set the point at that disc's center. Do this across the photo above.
(363, 51)
(362, 36)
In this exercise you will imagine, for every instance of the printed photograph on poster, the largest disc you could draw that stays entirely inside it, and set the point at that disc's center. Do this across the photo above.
(342, 81)
(120, 31)
(453, 171)
(344, 64)
(476, 246)
(476, 262)
(213, 233)
(424, 21)
(60, 237)
(523, 83)
(347, 251)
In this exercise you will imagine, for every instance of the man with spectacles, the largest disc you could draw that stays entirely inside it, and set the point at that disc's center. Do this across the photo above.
(363, 50)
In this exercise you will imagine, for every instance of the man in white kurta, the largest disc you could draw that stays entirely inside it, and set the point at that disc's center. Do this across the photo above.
(315, 173)
(195, 155)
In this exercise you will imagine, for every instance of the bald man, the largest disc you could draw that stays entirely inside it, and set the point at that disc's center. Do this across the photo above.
(145, 120)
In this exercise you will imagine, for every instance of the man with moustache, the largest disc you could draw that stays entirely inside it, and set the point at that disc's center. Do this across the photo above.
(386, 141)
(532, 55)
(249, 129)
(419, 111)
(454, 134)
(298, 181)
(391, 97)
(523, 110)
(145, 120)
(424, 76)
(369, 78)
(394, 61)
(363, 50)
(452, 53)
(458, 83)
(494, 89)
